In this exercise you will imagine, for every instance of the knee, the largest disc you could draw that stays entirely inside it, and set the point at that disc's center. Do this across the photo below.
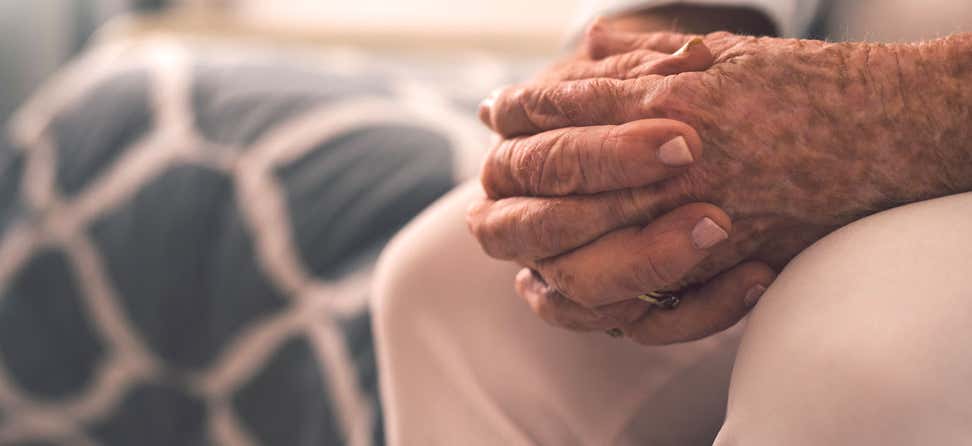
(859, 340)
(423, 268)
(859, 394)
(401, 283)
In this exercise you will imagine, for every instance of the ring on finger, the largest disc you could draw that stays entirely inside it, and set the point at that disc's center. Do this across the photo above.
(666, 300)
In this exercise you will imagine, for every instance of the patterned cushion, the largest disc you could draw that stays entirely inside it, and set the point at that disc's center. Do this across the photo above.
(186, 236)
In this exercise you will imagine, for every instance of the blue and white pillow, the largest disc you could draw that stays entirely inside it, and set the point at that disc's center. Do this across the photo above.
(186, 237)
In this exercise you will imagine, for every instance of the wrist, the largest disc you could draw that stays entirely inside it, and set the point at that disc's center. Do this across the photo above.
(936, 77)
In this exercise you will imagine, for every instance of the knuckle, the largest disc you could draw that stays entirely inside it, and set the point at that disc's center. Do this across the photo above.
(532, 161)
(557, 169)
(685, 97)
(548, 166)
(660, 97)
(562, 280)
(538, 105)
(571, 103)
(536, 227)
(516, 96)
(492, 174)
(618, 65)
(605, 89)
(539, 162)
(513, 111)
(611, 161)
(624, 63)
(492, 234)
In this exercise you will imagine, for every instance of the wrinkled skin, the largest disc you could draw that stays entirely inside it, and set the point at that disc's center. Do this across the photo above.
(799, 137)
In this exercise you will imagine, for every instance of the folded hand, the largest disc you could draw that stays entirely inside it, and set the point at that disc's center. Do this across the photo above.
(789, 138)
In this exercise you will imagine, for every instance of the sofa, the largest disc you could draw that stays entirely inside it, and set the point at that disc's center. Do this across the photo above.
(187, 230)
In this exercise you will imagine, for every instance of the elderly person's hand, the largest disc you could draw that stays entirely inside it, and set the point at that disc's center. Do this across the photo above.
(595, 56)
(799, 137)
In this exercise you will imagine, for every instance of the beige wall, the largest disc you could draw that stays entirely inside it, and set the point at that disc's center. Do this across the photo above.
(852, 19)
(448, 16)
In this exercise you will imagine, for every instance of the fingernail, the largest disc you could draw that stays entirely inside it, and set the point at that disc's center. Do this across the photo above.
(486, 106)
(753, 295)
(696, 41)
(707, 234)
(596, 26)
(484, 110)
(675, 152)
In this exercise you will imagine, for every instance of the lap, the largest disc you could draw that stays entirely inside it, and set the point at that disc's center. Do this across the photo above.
(457, 345)
(858, 342)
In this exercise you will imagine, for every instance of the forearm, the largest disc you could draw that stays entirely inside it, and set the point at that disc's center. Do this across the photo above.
(949, 62)
(933, 86)
(906, 107)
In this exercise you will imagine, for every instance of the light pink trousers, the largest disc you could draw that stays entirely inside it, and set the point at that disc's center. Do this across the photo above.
(865, 339)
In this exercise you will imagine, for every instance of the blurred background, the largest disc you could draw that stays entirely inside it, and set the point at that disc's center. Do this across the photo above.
(40, 35)
(193, 194)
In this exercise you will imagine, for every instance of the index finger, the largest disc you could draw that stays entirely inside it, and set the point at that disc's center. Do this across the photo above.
(527, 110)
(587, 160)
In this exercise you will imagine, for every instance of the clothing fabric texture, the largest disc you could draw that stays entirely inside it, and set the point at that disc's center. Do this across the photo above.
(792, 17)
(188, 232)
(859, 341)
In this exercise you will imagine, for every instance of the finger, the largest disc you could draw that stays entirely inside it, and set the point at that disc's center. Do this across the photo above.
(530, 228)
(637, 63)
(602, 42)
(586, 160)
(693, 56)
(531, 109)
(706, 310)
(556, 310)
(617, 66)
(635, 260)
(620, 66)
